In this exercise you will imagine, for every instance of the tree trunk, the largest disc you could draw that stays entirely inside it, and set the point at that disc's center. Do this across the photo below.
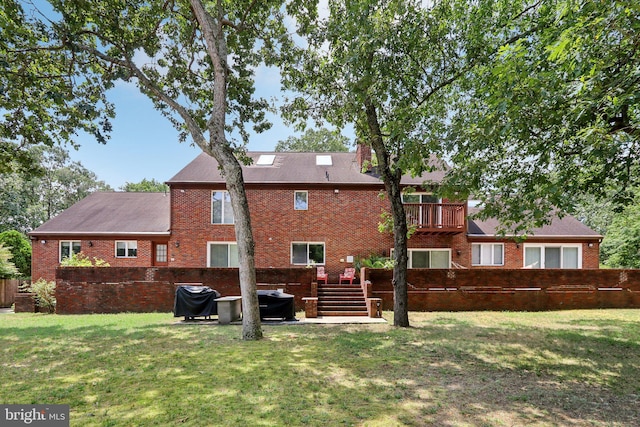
(212, 29)
(251, 326)
(391, 178)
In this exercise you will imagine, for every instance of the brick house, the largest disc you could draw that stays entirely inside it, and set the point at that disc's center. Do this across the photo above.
(306, 208)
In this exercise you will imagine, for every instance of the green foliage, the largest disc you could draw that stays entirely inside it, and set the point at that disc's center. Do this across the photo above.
(82, 260)
(552, 115)
(385, 226)
(198, 67)
(46, 95)
(7, 268)
(20, 248)
(45, 294)
(146, 186)
(375, 261)
(620, 247)
(27, 201)
(315, 141)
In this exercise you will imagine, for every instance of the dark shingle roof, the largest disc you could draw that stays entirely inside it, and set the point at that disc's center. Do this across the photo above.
(565, 227)
(291, 168)
(112, 213)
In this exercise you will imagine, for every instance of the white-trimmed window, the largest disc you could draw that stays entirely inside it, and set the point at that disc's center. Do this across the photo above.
(487, 254)
(301, 200)
(69, 247)
(221, 210)
(552, 256)
(222, 254)
(428, 258)
(305, 253)
(419, 198)
(127, 249)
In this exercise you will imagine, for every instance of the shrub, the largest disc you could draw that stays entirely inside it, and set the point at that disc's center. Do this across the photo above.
(20, 248)
(375, 261)
(7, 268)
(45, 294)
(82, 260)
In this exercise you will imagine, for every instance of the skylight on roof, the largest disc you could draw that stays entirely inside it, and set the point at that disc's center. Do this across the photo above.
(323, 160)
(266, 159)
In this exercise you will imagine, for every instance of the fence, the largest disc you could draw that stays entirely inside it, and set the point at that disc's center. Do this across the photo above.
(516, 290)
(82, 290)
(8, 289)
(111, 290)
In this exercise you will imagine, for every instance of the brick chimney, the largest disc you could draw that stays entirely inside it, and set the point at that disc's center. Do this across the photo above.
(363, 156)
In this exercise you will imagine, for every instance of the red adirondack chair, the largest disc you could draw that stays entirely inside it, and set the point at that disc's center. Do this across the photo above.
(321, 275)
(348, 275)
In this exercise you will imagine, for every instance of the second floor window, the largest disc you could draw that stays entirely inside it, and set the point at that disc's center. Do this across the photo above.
(301, 201)
(221, 211)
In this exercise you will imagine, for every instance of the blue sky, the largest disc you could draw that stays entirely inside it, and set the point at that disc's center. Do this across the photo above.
(144, 144)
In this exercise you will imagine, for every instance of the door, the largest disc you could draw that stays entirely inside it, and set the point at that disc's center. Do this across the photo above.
(160, 254)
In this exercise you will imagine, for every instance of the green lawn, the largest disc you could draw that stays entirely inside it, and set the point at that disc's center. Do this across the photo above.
(569, 368)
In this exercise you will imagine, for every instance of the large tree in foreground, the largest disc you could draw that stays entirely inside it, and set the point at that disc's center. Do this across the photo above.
(554, 116)
(389, 67)
(195, 60)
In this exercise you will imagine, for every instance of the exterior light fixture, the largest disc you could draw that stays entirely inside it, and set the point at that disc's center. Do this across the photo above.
(177, 244)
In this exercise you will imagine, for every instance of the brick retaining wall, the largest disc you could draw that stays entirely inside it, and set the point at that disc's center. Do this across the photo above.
(516, 290)
(137, 289)
(81, 290)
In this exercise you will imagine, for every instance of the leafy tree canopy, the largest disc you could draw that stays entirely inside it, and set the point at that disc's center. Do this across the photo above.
(555, 115)
(20, 248)
(620, 247)
(46, 91)
(315, 141)
(146, 186)
(27, 201)
(7, 268)
(196, 61)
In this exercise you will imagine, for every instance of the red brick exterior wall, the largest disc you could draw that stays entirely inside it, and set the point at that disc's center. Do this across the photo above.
(46, 255)
(344, 218)
(346, 222)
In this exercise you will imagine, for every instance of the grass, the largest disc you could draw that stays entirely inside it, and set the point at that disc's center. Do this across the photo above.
(567, 368)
